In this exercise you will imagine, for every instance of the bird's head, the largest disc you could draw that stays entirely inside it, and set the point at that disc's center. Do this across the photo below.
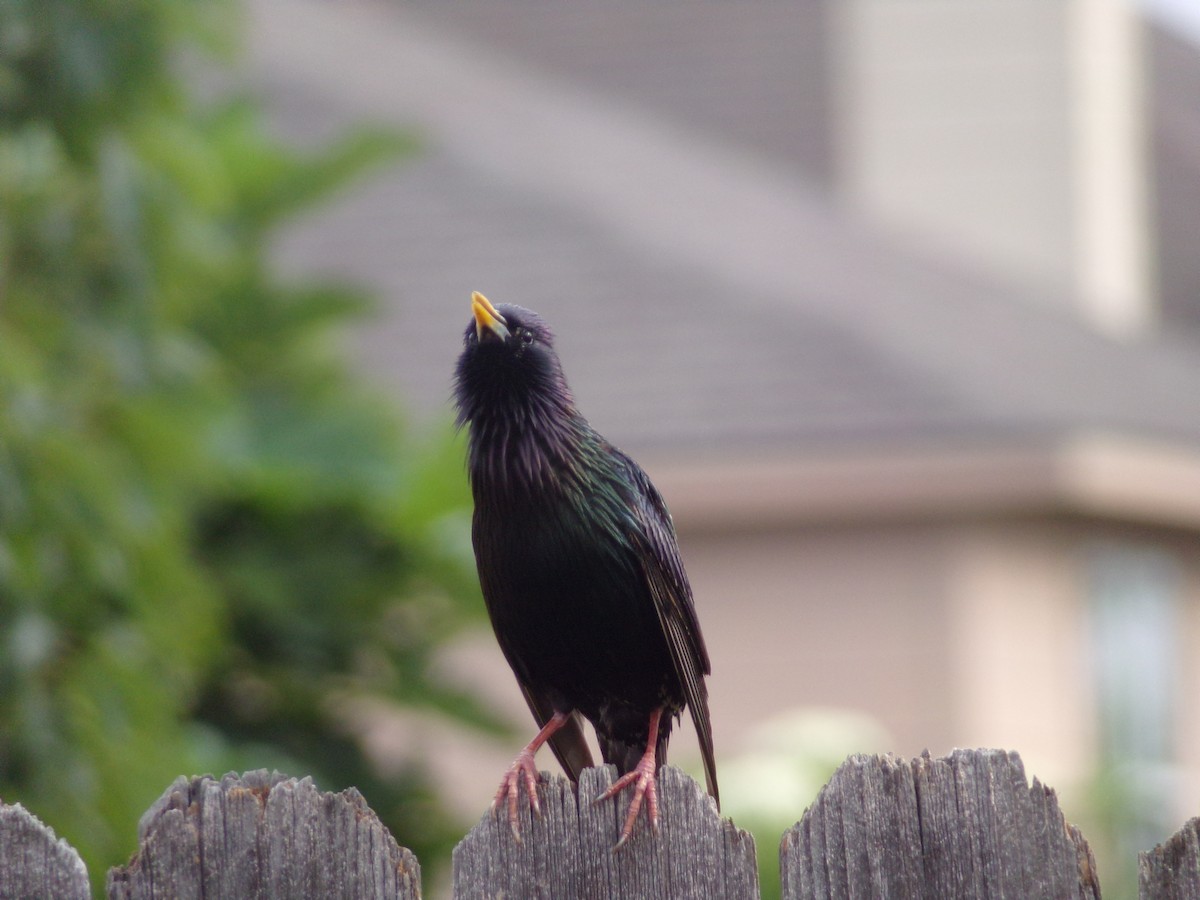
(508, 364)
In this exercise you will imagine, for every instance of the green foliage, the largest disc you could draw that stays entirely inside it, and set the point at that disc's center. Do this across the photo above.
(210, 535)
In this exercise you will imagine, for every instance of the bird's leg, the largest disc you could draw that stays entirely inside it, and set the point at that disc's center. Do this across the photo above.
(523, 767)
(642, 777)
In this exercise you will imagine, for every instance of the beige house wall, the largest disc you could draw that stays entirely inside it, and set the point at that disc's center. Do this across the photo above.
(953, 126)
(1008, 131)
(1018, 645)
(843, 617)
(1021, 597)
(971, 633)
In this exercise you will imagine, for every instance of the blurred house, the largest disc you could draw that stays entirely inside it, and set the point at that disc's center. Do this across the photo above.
(898, 302)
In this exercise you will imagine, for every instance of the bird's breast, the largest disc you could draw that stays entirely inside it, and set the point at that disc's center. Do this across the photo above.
(567, 597)
(549, 546)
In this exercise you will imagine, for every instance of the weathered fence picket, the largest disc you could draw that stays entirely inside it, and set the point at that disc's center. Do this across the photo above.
(35, 863)
(968, 825)
(568, 850)
(1171, 871)
(263, 835)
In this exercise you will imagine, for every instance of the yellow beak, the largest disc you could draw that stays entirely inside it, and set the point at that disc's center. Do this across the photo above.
(486, 318)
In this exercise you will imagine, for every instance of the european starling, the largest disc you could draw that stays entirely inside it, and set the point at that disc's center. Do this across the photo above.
(579, 568)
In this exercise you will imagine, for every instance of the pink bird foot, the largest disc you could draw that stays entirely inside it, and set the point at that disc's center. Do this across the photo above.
(524, 769)
(645, 789)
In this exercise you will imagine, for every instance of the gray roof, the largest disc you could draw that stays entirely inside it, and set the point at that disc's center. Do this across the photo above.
(655, 206)
(755, 72)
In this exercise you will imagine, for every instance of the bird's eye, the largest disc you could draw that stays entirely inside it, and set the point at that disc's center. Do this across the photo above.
(526, 336)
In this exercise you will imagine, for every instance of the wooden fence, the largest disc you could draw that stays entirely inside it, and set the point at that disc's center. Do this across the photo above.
(966, 825)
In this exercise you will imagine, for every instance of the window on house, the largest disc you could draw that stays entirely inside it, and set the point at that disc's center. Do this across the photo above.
(1134, 599)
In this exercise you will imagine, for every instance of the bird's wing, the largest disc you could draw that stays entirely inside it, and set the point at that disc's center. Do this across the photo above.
(672, 594)
(568, 743)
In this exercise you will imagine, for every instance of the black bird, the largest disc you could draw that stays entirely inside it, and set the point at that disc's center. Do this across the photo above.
(579, 568)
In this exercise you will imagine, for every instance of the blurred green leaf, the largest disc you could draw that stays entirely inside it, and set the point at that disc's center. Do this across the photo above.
(211, 535)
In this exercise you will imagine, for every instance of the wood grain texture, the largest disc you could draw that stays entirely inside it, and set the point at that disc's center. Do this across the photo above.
(568, 851)
(263, 835)
(967, 825)
(1171, 871)
(35, 863)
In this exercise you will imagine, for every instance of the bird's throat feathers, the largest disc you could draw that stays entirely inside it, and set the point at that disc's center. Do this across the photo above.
(528, 444)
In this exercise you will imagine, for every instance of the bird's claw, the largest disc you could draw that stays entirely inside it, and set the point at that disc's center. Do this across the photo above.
(644, 789)
(524, 769)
